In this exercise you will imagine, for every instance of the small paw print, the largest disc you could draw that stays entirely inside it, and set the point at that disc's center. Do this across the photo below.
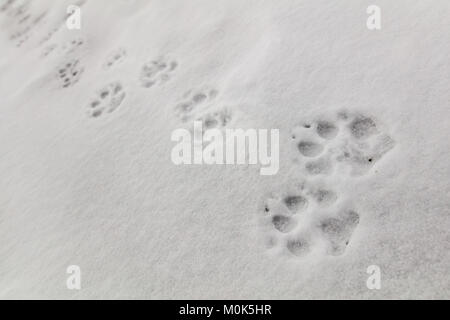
(107, 100)
(157, 71)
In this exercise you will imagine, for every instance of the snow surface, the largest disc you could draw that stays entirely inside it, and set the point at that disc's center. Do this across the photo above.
(88, 181)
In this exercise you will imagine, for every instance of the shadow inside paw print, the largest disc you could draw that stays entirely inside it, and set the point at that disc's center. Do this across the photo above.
(321, 166)
(366, 144)
(70, 73)
(309, 148)
(157, 71)
(107, 100)
(295, 203)
(282, 210)
(339, 230)
(299, 246)
(326, 129)
(283, 224)
(324, 197)
(289, 203)
(362, 127)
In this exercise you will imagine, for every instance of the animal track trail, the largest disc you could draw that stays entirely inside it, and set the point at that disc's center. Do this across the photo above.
(299, 246)
(107, 100)
(157, 72)
(23, 22)
(70, 73)
(352, 139)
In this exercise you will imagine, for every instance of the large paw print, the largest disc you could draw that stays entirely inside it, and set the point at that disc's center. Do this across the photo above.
(304, 220)
(70, 73)
(157, 71)
(352, 139)
(107, 100)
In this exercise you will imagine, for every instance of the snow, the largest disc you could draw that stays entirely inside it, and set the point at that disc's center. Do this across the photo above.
(87, 178)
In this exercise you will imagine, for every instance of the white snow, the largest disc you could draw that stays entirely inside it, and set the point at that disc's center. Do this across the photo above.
(86, 176)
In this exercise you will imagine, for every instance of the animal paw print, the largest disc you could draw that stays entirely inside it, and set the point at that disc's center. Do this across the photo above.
(217, 119)
(291, 221)
(157, 71)
(115, 58)
(107, 100)
(72, 45)
(352, 139)
(194, 103)
(70, 73)
(65, 49)
(48, 50)
(49, 35)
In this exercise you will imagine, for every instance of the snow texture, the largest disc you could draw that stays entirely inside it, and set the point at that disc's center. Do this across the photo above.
(86, 177)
